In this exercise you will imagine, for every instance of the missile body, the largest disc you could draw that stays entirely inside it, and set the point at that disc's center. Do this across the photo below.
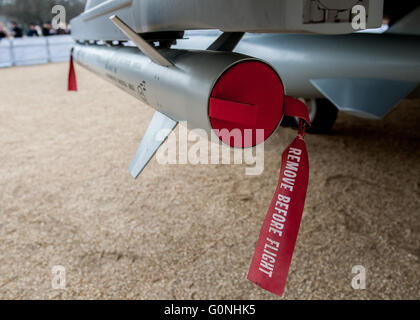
(208, 89)
(180, 93)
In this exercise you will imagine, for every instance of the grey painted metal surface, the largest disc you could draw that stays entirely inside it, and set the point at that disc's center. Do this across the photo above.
(365, 98)
(227, 15)
(157, 133)
(300, 59)
(181, 92)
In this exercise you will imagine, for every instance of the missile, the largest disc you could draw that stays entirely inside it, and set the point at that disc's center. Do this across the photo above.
(210, 90)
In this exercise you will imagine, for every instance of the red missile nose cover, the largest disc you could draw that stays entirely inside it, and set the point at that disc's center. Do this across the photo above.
(248, 96)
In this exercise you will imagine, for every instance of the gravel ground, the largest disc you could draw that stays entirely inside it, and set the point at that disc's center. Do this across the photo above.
(185, 231)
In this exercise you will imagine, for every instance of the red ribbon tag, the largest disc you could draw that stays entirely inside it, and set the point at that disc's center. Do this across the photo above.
(273, 254)
(72, 82)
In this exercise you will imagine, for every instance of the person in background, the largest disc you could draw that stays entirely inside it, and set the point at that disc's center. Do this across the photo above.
(61, 29)
(17, 31)
(3, 32)
(38, 29)
(32, 32)
(46, 29)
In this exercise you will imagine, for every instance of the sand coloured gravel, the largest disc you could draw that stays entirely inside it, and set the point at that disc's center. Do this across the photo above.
(185, 231)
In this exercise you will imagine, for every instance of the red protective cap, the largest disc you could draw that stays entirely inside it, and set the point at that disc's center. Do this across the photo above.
(249, 95)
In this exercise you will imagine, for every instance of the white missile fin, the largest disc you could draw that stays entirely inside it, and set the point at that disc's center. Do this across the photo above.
(142, 44)
(367, 98)
(157, 133)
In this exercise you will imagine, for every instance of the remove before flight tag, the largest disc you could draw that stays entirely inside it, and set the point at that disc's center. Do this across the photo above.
(273, 254)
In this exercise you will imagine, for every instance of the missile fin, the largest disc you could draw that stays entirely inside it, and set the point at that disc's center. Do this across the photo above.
(142, 44)
(157, 133)
(227, 41)
(367, 98)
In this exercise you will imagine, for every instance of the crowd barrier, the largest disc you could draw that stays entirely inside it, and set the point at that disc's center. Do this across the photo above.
(30, 51)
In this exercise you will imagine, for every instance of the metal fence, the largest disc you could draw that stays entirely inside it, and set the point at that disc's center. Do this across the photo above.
(30, 51)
